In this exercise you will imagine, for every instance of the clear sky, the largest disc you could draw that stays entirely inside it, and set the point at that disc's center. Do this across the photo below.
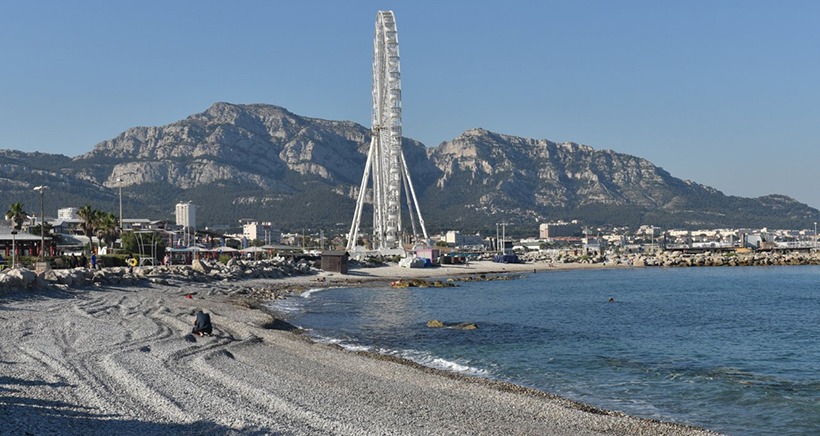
(724, 93)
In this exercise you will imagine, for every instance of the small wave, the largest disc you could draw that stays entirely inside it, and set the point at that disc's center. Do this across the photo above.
(420, 357)
(454, 366)
(293, 304)
(308, 293)
(284, 306)
(426, 359)
(355, 347)
(346, 345)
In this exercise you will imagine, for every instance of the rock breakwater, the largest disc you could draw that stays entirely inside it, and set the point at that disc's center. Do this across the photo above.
(21, 279)
(683, 259)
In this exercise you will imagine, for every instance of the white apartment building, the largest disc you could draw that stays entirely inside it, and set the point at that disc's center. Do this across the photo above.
(263, 231)
(67, 213)
(186, 215)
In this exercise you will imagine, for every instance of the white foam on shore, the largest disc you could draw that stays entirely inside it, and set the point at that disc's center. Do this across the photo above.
(310, 292)
(427, 359)
(284, 306)
(421, 357)
(293, 304)
(336, 341)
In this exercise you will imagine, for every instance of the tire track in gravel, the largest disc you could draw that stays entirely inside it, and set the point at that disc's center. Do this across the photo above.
(188, 364)
(119, 375)
(177, 364)
(86, 369)
(123, 371)
(81, 392)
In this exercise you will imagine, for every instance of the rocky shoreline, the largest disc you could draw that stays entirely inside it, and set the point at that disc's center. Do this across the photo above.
(16, 279)
(682, 259)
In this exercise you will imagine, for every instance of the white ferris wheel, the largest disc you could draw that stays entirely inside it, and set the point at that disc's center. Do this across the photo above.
(385, 160)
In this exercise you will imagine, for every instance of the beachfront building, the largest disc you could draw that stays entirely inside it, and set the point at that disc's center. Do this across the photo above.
(66, 226)
(455, 239)
(22, 243)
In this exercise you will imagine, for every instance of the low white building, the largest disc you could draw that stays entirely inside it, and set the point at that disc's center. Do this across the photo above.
(456, 239)
(67, 213)
(263, 231)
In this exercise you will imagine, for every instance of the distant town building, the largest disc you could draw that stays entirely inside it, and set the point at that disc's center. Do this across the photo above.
(143, 224)
(186, 215)
(455, 239)
(186, 218)
(264, 232)
(558, 229)
(67, 213)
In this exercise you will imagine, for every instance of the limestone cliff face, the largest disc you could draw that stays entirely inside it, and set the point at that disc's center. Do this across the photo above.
(261, 161)
(248, 143)
(538, 173)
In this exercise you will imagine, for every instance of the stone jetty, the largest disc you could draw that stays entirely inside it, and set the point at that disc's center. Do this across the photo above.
(200, 271)
(683, 259)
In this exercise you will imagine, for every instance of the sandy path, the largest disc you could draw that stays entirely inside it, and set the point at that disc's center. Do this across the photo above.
(121, 361)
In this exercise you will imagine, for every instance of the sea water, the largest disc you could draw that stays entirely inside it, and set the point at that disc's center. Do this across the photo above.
(734, 350)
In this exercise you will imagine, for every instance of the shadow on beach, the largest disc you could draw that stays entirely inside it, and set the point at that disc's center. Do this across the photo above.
(23, 415)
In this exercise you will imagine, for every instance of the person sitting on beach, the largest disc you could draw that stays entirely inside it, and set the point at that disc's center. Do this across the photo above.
(202, 324)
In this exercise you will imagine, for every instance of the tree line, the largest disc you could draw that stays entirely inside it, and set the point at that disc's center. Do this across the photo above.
(103, 225)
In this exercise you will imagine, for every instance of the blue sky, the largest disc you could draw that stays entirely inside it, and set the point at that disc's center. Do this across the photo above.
(724, 93)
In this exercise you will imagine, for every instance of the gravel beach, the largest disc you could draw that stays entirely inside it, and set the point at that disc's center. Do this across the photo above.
(121, 360)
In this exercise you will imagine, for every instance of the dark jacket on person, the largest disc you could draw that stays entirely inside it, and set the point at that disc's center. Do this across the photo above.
(203, 323)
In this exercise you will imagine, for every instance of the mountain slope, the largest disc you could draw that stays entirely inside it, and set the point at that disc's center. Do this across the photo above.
(263, 162)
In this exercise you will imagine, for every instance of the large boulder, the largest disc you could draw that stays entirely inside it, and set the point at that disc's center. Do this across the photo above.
(199, 266)
(23, 276)
(8, 282)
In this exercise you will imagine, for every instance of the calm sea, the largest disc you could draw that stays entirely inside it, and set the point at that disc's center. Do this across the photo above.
(735, 350)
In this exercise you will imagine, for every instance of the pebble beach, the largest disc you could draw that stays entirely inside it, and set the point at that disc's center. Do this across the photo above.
(120, 359)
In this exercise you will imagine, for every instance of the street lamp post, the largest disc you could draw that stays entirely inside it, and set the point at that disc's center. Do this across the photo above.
(119, 182)
(501, 246)
(42, 189)
(13, 248)
(815, 235)
(503, 238)
(496, 238)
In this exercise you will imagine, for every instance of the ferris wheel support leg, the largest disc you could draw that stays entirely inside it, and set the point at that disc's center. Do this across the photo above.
(409, 206)
(357, 214)
(415, 200)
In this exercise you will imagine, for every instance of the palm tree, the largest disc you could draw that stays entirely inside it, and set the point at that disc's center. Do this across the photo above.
(108, 224)
(89, 218)
(17, 215)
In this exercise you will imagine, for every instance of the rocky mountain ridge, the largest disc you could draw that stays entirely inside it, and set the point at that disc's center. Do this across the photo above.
(263, 162)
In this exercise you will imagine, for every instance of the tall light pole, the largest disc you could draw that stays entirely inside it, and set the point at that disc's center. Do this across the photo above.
(13, 248)
(815, 235)
(503, 244)
(497, 245)
(503, 238)
(42, 189)
(119, 182)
